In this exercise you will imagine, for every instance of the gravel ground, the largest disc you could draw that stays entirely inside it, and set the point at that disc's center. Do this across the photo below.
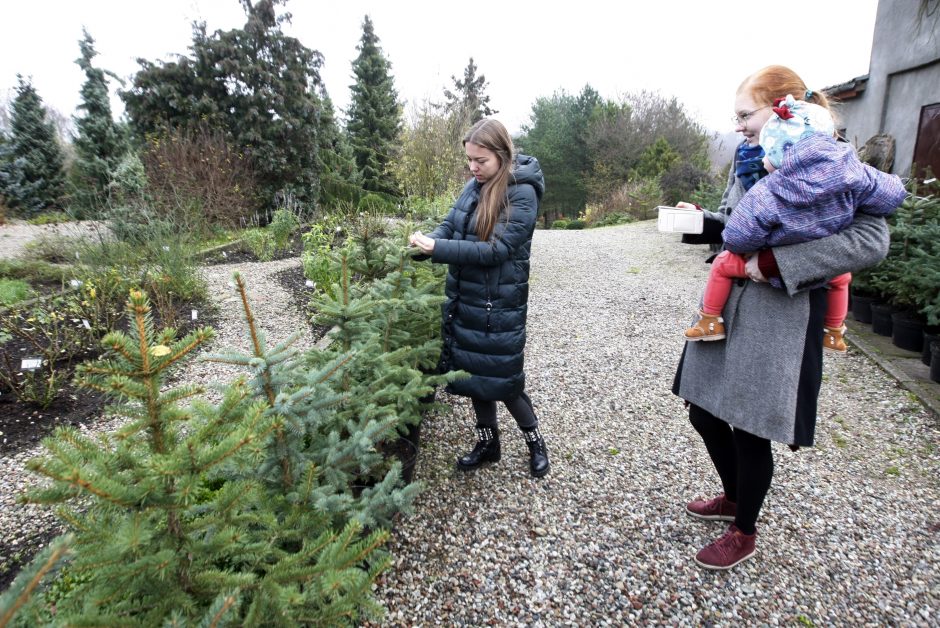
(849, 535)
(15, 235)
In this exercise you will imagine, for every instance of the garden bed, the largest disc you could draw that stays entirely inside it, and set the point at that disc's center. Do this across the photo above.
(23, 425)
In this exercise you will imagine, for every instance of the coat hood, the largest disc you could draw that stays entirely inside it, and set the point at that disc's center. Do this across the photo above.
(528, 170)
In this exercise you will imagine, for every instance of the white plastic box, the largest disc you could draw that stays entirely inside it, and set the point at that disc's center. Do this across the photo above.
(677, 220)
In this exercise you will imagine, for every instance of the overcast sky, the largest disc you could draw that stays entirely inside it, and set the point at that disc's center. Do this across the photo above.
(697, 51)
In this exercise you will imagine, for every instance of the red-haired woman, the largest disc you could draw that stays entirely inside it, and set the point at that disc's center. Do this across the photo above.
(762, 383)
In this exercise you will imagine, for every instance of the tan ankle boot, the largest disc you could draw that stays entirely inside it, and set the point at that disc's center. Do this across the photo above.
(834, 339)
(707, 328)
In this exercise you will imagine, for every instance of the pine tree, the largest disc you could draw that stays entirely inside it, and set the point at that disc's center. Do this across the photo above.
(374, 113)
(389, 323)
(31, 176)
(469, 99)
(19, 600)
(255, 83)
(308, 397)
(339, 178)
(170, 526)
(98, 144)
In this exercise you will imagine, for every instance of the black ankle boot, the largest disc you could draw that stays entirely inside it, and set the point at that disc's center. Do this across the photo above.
(486, 450)
(538, 453)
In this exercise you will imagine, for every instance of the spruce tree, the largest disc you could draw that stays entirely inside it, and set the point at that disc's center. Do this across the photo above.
(31, 176)
(255, 83)
(374, 116)
(171, 525)
(339, 178)
(469, 99)
(308, 398)
(98, 144)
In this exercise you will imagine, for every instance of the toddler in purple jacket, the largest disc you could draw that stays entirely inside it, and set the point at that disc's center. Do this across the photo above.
(814, 188)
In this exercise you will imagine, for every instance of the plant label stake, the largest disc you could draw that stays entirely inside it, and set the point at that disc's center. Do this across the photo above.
(195, 315)
(86, 324)
(224, 254)
(30, 364)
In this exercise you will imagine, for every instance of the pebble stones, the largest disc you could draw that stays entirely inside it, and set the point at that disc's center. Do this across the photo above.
(603, 539)
(849, 534)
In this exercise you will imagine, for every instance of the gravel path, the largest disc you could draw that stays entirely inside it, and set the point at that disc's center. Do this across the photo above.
(14, 236)
(850, 533)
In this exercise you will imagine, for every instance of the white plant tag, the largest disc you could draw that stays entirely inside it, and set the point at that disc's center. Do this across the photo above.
(310, 284)
(30, 364)
(77, 256)
(75, 283)
(224, 254)
(195, 315)
(86, 324)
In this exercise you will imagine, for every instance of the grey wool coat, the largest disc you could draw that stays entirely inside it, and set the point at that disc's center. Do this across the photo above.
(765, 377)
(487, 287)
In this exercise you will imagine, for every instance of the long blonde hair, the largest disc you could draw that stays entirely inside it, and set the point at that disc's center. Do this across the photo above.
(493, 136)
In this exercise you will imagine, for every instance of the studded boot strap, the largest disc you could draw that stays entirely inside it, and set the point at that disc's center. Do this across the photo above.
(485, 434)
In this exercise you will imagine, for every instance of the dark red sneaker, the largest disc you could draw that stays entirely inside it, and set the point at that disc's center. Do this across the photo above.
(717, 509)
(731, 548)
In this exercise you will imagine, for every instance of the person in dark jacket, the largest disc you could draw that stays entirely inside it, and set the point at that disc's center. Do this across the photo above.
(485, 240)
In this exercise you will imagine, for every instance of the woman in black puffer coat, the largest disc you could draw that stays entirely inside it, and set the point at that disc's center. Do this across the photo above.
(485, 240)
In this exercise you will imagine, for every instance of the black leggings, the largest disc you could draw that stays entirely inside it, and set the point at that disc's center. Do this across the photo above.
(744, 463)
(520, 408)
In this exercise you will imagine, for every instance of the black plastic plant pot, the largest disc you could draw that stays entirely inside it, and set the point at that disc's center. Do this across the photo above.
(407, 453)
(907, 331)
(935, 361)
(925, 352)
(861, 308)
(881, 318)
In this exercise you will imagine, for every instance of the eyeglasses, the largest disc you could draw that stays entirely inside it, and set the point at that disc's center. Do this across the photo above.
(742, 118)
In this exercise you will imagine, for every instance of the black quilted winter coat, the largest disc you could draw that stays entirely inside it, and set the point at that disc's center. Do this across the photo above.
(487, 287)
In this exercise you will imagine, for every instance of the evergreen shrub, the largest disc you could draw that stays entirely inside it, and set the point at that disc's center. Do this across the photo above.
(201, 514)
(909, 277)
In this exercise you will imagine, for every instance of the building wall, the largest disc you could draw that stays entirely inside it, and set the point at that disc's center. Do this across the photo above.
(848, 114)
(907, 92)
(903, 76)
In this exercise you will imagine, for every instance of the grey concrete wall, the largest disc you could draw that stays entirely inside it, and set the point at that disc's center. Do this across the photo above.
(847, 115)
(907, 92)
(903, 76)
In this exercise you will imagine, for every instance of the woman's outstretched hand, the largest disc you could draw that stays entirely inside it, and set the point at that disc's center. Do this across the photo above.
(684, 205)
(421, 241)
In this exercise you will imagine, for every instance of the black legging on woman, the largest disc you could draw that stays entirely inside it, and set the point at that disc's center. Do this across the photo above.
(744, 462)
(520, 408)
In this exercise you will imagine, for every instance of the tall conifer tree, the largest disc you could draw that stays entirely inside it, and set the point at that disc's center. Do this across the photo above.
(469, 96)
(31, 175)
(374, 113)
(256, 84)
(98, 145)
